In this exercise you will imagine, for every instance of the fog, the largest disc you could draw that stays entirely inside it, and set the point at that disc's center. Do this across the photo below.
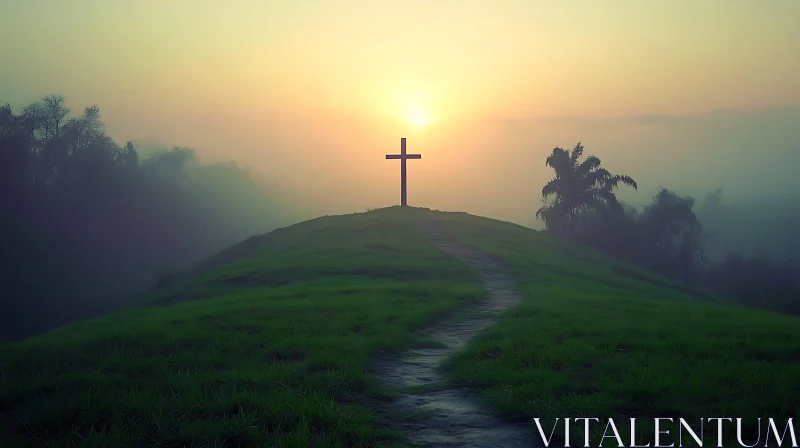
(495, 166)
(89, 223)
(310, 96)
(284, 111)
(738, 165)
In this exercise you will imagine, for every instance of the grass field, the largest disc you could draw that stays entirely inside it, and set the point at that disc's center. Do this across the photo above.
(597, 338)
(268, 343)
(276, 357)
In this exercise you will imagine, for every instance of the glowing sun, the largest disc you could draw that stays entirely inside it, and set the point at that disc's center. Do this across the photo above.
(418, 120)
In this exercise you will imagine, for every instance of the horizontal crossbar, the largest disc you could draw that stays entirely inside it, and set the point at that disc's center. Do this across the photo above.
(400, 156)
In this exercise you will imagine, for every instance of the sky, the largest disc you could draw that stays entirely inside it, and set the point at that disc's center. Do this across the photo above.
(690, 95)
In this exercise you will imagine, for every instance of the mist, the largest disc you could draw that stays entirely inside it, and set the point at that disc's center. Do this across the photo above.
(227, 184)
(494, 165)
(311, 98)
(89, 223)
(217, 123)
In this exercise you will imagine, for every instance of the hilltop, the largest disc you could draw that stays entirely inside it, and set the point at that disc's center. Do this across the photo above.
(269, 342)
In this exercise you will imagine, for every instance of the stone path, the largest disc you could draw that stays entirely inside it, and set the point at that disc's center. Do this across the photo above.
(458, 419)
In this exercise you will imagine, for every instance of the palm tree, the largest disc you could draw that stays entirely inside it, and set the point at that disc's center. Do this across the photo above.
(578, 187)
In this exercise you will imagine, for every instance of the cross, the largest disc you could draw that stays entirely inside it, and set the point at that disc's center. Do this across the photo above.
(403, 157)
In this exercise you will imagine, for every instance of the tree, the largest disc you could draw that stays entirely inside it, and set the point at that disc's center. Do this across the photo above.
(170, 164)
(13, 159)
(668, 236)
(672, 235)
(613, 229)
(128, 158)
(86, 221)
(54, 113)
(577, 188)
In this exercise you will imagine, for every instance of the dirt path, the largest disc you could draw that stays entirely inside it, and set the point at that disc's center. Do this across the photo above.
(457, 419)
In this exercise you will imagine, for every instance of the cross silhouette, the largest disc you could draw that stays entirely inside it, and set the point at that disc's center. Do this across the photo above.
(403, 157)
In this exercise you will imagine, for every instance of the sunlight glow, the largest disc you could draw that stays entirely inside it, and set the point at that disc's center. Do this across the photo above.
(418, 120)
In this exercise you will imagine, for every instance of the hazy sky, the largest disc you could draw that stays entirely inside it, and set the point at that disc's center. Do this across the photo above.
(685, 94)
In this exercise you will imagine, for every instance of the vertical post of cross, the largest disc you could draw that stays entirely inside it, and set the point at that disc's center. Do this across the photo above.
(403, 157)
(403, 191)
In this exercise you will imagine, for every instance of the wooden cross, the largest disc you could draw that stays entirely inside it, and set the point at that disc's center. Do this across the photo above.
(403, 157)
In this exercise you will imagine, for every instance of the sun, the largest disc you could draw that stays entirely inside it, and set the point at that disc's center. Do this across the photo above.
(418, 120)
(415, 109)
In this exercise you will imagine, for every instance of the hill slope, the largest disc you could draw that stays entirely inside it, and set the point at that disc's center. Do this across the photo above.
(595, 336)
(268, 343)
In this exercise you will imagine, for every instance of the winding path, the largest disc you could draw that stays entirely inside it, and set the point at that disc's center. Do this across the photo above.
(457, 418)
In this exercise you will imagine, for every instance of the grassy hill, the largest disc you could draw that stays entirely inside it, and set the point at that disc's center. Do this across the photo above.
(267, 344)
(597, 337)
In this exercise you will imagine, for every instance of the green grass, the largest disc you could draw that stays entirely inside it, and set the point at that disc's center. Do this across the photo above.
(589, 340)
(267, 343)
(275, 357)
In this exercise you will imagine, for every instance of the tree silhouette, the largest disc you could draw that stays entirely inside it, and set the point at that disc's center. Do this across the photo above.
(577, 188)
(84, 220)
(669, 237)
(672, 235)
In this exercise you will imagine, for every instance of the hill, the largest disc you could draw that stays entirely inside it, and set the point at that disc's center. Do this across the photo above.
(269, 343)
